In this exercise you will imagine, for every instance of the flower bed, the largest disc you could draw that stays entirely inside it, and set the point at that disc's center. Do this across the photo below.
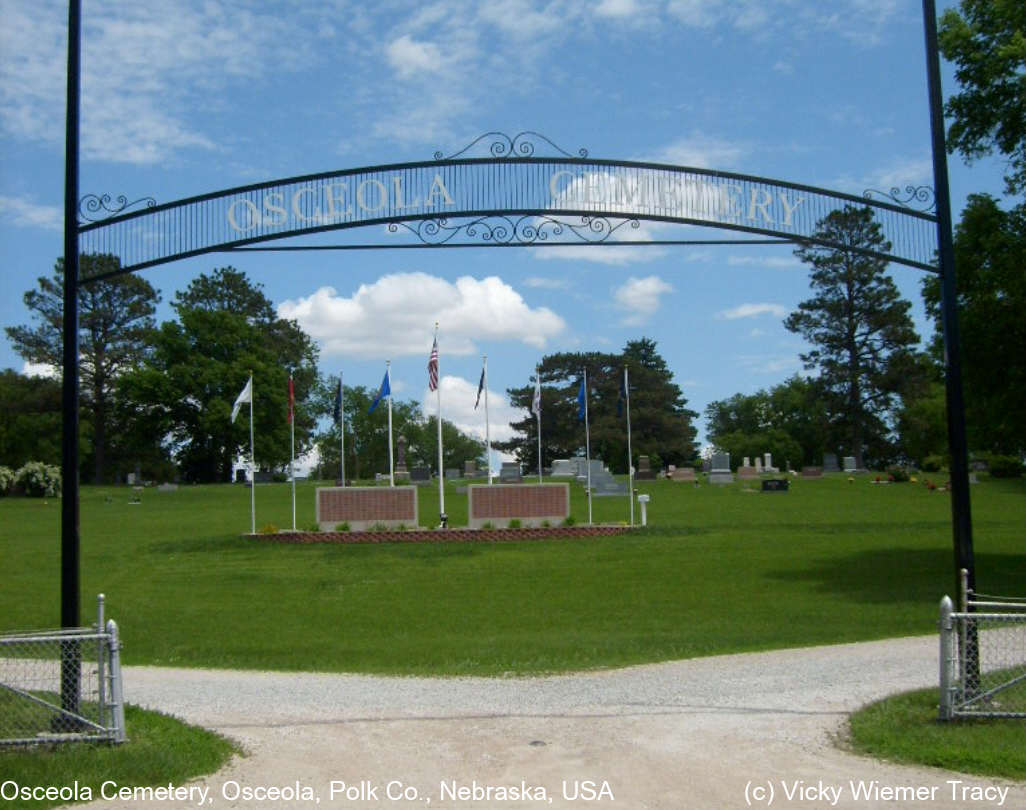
(443, 535)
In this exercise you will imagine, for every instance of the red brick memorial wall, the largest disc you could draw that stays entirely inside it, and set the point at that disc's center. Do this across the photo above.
(364, 507)
(531, 504)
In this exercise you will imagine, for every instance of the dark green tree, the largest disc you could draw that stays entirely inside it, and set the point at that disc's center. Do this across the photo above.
(790, 421)
(30, 419)
(784, 449)
(860, 329)
(990, 257)
(367, 435)
(115, 326)
(923, 424)
(986, 41)
(661, 424)
(226, 330)
(741, 413)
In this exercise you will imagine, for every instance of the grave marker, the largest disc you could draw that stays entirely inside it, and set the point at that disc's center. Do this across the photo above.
(720, 469)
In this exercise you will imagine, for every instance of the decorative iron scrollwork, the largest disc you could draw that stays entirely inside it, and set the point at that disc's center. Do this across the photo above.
(918, 198)
(92, 204)
(527, 230)
(522, 144)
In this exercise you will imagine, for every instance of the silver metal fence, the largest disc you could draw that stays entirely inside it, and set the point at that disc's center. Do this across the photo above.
(983, 657)
(62, 685)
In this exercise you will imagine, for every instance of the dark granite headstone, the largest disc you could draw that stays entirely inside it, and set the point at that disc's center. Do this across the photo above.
(644, 471)
(510, 473)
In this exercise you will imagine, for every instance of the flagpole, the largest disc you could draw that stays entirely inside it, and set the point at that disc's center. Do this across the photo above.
(537, 413)
(341, 431)
(391, 468)
(441, 472)
(630, 463)
(488, 436)
(252, 462)
(587, 442)
(292, 458)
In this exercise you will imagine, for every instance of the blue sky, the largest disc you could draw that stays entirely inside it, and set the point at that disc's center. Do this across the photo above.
(184, 98)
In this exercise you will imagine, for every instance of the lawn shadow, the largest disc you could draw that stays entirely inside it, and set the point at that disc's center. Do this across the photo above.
(906, 576)
(200, 545)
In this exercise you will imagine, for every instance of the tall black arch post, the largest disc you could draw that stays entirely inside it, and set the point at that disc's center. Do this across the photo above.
(70, 589)
(960, 510)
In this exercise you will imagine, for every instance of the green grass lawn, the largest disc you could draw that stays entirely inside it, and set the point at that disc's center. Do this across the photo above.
(719, 569)
(905, 728)
(161, 750)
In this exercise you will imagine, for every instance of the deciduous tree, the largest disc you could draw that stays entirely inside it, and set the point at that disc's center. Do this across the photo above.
(226, 330)
(986, 40)
(990, 257)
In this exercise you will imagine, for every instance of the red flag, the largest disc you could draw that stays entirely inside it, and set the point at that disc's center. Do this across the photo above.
(292, 399)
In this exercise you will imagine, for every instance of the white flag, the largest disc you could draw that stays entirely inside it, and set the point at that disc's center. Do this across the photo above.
(245, 396)
(536, 402)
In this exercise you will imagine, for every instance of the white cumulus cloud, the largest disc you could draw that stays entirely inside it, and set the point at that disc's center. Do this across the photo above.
(618, 9)
(409, 57)
(640, 298)
(703, 152)
(458, 398)
(753, 311)
(395, 316)
(28, 214)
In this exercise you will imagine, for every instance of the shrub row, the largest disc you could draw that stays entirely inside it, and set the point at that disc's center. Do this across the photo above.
(35, 479)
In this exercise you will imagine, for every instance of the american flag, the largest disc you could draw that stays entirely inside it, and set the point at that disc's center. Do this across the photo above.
(433, 367)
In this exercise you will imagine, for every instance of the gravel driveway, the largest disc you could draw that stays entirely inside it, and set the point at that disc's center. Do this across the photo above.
(725, 732)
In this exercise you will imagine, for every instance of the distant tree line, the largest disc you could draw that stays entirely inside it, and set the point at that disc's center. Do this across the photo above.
(158, 399)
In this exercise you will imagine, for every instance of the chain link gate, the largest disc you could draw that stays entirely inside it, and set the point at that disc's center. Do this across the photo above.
(982, 656)
(62, 685)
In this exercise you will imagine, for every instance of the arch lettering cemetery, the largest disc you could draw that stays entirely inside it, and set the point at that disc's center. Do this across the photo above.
(512, 197)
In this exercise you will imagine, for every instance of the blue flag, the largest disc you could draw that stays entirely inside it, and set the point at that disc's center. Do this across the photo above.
(384, 391)
(582, 402)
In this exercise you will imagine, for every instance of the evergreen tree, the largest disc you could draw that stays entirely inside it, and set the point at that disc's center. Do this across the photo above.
(115, 324)
(860, 329)
(661, 424)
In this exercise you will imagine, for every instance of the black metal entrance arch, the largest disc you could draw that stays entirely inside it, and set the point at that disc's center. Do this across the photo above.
(686, 196)
(513, 197)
